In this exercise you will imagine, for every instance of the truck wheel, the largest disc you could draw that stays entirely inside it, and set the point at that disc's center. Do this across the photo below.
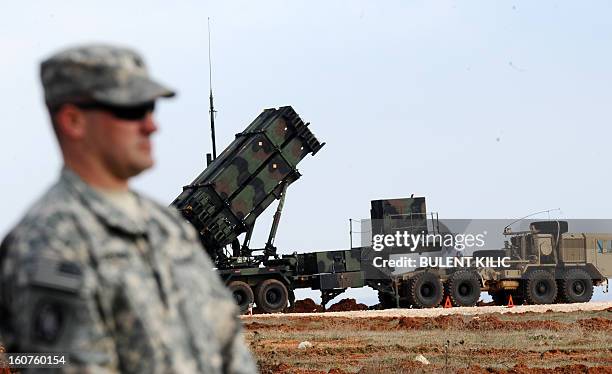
(271, 296)
(425, 290)
(385, 301)
(540, 287)
(243, 295)
(463, 287)
(576, 286)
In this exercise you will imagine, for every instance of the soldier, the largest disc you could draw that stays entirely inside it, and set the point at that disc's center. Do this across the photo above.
(96, 271)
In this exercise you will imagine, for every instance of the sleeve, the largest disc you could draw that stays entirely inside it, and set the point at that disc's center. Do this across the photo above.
(50, 299)
(237, 357)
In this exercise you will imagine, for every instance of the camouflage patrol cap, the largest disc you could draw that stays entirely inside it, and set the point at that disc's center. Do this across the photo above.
(102, 73)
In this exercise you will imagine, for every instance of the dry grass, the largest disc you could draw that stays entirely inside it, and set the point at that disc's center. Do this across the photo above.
(385, 345)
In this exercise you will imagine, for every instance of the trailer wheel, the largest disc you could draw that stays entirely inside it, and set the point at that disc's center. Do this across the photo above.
(576, 286)
(463, 287)
(540, 287)
(243, 295)
(271, 296)
(425, 290)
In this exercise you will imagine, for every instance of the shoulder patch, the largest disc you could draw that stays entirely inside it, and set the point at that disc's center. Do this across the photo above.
(61, 275)
(48, 322)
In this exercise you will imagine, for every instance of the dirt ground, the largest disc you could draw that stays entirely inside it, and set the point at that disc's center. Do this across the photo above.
(574, 338)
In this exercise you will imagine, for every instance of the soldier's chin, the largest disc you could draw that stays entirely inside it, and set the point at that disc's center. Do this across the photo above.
(136, 169)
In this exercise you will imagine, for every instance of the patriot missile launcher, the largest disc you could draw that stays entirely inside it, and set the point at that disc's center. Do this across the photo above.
(225, 200)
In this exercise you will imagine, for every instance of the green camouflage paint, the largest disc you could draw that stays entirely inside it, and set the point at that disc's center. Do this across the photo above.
(226, 198)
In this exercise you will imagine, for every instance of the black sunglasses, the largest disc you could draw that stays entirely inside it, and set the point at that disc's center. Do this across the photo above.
(136, 112)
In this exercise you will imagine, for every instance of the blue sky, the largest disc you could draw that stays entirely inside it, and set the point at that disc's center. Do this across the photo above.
(489, 109)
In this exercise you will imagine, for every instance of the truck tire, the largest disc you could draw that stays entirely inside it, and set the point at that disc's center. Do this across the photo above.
(576, 286)
(425, 291)
(243, 295)
(463, 287)
(271, 296)
(540, 287)
(386, 301)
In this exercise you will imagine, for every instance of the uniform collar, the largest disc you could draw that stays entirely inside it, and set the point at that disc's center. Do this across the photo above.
(100, 206)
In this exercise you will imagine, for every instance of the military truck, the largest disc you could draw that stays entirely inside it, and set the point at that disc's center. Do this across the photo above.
(256, 169)
(546, 264)
(549, 264)
(418, 287)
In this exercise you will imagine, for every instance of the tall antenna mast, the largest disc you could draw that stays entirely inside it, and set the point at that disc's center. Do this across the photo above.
(212, 107)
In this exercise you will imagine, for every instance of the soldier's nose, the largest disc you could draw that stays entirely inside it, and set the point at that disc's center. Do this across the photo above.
(149, 125)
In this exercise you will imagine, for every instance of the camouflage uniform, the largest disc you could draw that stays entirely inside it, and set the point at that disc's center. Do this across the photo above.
(81, 276)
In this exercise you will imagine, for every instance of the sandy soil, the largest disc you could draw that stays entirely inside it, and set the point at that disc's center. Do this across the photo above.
(433, 312)
(575, 338)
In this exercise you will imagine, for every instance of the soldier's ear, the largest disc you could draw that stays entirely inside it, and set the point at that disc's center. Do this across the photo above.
(70, 122)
